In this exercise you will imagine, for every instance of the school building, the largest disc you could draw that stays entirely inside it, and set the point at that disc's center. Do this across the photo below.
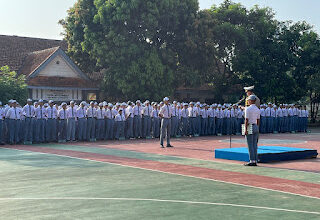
(50, 73)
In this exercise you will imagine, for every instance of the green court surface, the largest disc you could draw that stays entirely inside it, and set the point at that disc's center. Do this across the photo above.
(43, 186)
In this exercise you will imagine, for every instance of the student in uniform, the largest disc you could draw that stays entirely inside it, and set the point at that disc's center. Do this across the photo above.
(62, 116)
(280, 118)
(109, 122)
(146, 112)
(52, 114)
(184, 120)
(28, 112)
(129, 122)
(100, 132)
(263, 120)
(219, 115)
(239, 117)
(91, 122)
(285, 118)
(14, 116)
(174, 119)
(198, 119)
(274, 119)
(40, 115)
(71, 122)
(291, 119)
(137, 110)
(165, 115)
(82, 122)
(192, 119)
(120, 122)
(2, 117)
(204, 120)
(155, 121)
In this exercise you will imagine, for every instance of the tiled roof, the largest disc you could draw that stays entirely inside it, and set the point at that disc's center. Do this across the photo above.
(45, 81)
(14, 49)
(35, 59)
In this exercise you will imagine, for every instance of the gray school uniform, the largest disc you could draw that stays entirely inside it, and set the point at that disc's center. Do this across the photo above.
(28, 112)
(71, 123)
(14, 116)
(165, 130)
(51, 128)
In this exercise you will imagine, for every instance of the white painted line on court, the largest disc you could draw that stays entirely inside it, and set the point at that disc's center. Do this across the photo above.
(159, 171)
(166, 200)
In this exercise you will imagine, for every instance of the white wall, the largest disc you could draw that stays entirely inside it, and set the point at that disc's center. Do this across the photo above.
(61, 70)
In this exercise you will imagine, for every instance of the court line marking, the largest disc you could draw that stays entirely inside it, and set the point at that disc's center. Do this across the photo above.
(167, 200)
(165, 172)
(190, 158)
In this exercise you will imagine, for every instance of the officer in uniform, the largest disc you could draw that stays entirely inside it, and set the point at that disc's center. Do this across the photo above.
(252, 117)
(165, 115)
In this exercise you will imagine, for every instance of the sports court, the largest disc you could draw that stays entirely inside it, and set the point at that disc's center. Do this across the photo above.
(137, 180)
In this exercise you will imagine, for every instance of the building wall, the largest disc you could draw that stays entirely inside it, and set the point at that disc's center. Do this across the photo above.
(57, 95)
(58, 67)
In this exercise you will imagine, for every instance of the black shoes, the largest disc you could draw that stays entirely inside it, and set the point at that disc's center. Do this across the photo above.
(251, 164)
(167, 145)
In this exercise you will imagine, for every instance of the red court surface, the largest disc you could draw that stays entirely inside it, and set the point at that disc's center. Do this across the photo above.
(203, 148)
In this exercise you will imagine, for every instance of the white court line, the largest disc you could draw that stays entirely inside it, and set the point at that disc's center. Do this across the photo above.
(165, 200)
(153, 170)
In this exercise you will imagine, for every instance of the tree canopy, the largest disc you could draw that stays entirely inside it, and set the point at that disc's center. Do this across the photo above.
(147, 49)
(11, 86)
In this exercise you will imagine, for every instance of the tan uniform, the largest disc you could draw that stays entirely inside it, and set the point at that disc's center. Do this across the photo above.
(257, 101)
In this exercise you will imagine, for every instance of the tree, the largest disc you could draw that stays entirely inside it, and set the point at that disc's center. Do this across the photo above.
(12, 86)
(135, 43)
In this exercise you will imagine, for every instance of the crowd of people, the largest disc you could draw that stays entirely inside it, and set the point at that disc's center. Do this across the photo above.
(42, 122)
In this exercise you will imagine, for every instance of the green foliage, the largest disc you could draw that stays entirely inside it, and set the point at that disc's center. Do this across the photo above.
(149, 48)
(11, 86)
(135, 43)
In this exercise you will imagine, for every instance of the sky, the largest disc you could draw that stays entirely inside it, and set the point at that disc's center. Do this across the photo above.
(39, 18)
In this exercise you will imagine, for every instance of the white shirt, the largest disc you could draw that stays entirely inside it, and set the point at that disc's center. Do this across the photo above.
(174, 111)
(120, 117)
(192, 112)
(62, 114)
(147, 110)
(71, 112)
(28, 111)
(52, 112)
(137, 110)
(40, 112)
(91, 112)
(252, 113)
(14, 113)
(184, 113)
(81, 112)
(2, 115)
(108, 113)
(262, 112)
(155, 113)
(166, 111)
(100, 113)
(129, 112)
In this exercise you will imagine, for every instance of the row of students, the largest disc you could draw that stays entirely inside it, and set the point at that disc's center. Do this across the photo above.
(40, 122)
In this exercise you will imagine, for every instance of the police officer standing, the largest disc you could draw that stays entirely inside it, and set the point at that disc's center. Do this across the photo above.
(252, 118)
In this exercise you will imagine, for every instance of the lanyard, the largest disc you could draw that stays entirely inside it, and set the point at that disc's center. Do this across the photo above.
(64, 114)
(168, 111)
(15, 113)
(72, 111)
(41, 112)
(29, 111)
(51, 112)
